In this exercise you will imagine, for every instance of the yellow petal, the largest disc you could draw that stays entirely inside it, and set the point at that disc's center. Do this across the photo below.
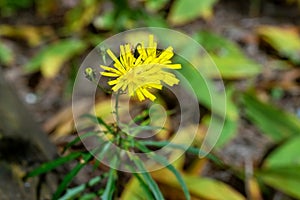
(147, 94)
(109, 74)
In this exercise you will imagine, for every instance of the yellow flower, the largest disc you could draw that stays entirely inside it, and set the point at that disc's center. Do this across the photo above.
(138, 74)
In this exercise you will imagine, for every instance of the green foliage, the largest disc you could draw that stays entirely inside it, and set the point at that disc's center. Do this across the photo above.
(183, 11)
(86, 24)
(277, 124)
(51, 58)
(285, 41)
(10, 7)
(6, 55)
(72, 193)
(46, 167)
(285, 179)
(227, 56)
(287, 154)
(69, 177)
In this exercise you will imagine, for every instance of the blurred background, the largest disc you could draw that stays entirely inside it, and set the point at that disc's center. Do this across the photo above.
(254, 43)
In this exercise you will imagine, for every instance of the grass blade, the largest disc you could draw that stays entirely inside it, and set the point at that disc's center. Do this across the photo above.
(183, 147)
(78, 139)
(147, 177)
(46, 167)
(110, 185)
(170, 167)
(69, 177)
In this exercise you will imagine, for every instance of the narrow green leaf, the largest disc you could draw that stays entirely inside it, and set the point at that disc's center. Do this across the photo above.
(166, 163)
(147, 177)
(274, 122)
(110, 185)
(73, 192)
(183, 147)
(99, 120)
(78, 139)
(144, 186)
(88, 196)
(69, 177)
(46, 167)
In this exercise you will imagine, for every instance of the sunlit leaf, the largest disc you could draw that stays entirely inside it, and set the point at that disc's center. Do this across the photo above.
(147, 177)
(105, 21)
(274, 122)
(134, 191)
(6, 54)
(199, 187)
(287, 154)
(51, 58)
(155, 5)
(183, 11)
(81, 15)
(286, 41)
(163, 161)
(31, 34)
(227, 56)
(285, 179)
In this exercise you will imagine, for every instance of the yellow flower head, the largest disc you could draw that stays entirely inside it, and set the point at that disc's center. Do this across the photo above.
(137, 75)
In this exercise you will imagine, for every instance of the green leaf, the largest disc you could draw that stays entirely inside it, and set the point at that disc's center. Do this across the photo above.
(287, 154)
(183, 11)
(73, 192)
(229, 127)
(110, 185)
(88, 196)
(147, 177)
(99, 120)
(6, 55)
(50, 59)
(155, 5)
(227, 56)
(285, 41)
(272, 121)
(81, 15)
(206, 92)
(183, 147)
(200, 187)
(170, 167)
(46, 167)
(136, 189)
(285, 179)
(69, 177)
(228, 132)
(78, 139)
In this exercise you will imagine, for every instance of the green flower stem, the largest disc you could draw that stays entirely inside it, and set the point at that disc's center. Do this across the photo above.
(117, 108)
